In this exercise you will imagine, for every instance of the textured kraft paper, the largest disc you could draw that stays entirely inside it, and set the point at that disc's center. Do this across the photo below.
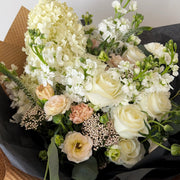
(9, 172)
(11, 47)
(11, 53)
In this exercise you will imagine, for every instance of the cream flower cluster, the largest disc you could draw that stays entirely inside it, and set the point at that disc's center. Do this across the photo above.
(63, 40)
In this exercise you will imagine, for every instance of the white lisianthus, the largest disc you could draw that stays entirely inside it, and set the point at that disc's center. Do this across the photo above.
(156, 104)
(133, 6)
(129, 121)
(106, 89)
(127, 152)
(133, 54)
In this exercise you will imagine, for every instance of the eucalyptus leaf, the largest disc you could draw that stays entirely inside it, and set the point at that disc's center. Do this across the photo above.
(87, 170)
(53, 161)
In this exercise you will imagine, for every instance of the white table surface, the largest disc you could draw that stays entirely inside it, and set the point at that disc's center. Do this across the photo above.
(156, 12)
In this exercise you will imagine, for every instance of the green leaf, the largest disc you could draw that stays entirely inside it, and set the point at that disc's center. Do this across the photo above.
(53, 160)
(136, 31)
(87, 170)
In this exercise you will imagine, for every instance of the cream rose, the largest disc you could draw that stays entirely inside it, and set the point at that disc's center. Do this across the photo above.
(133, 54)
(106, 89)
(57, 104)
(129, 121)
(131, 151)
(156, 104)
(44, 92)
(77, 147)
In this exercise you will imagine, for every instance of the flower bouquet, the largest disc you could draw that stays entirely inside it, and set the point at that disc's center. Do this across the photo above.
(94, 95)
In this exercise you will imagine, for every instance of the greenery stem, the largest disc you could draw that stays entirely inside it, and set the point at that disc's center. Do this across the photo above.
(40, 56)
(46, 172)
(152, 121)
(126, 3)
(159, 144)
(11, 76)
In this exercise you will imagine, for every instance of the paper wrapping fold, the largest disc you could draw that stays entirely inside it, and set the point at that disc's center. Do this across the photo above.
(11, 47)
(11, 53)
(9, 172)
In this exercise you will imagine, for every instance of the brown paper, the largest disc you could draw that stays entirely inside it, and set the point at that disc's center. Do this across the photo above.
(11, 48)
(9, 172)
(11, 53)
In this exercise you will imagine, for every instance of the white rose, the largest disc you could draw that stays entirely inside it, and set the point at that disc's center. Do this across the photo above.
(106, 89)
(133, 54)
(156, 104)
(129, 121)
(127, 152)
(131, 151)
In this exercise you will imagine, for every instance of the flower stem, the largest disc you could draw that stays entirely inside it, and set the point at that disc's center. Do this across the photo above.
(159, 144)
(152, 121)
(47, 167)
(126, 3)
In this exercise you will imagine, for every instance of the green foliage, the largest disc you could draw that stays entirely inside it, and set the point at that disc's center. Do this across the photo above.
(37, 48)
(87, 18)
(136, 31)
(161, 130)
(53, 161)
(104, 119)
(43, 155)
(21, 86)
(87, 170)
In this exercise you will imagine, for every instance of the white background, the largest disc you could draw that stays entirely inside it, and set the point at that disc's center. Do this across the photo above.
(156, 12)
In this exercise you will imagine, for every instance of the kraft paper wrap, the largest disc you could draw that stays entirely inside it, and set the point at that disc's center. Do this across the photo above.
(9, 172)
(11, 47)
(11, 53)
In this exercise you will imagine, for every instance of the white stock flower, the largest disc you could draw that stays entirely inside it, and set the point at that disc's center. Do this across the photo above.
(129, 121)
(156, 104)
(133, 6)
(116, 4)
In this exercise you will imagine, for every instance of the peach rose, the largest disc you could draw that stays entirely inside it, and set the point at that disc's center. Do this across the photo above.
(44, 92)
(57, 104)
(77, 147)
(80, 113)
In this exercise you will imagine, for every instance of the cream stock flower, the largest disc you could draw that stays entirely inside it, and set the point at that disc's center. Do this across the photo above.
(106, 89)
(57, 104)
(156, 104)
(44, 92)
(129, 121)
(77, 147)
(131, 151)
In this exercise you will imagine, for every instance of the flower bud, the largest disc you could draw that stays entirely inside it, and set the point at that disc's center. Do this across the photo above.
(175, 150)
(43, 155)
(59, 140)
(168, 128)
(113, 153)
(44, 92)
